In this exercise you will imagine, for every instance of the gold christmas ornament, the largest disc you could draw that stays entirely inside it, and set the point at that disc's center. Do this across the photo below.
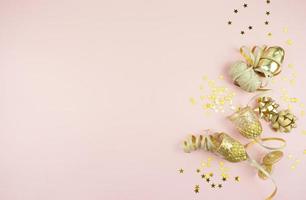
(249, 126)
(232, 150)
(260, 63)
(247, 122)
(284, 121)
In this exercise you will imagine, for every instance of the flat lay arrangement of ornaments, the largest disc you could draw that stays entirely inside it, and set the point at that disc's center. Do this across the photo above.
(102, 100)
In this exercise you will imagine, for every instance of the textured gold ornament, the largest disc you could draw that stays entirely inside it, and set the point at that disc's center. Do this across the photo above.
(247, 122)
(219, 143)
(232, 150)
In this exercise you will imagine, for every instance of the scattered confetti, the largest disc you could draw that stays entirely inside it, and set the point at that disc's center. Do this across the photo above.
(245, 5)
(229, 22)
(192, 101)
(198, 170)
(181, 171)
(196, 188)
(235, 11)
(250, 27)
(266, 22)
(219, 185)
(213, 185)
(270, 34)
(241, 32)
(289, 42)
(267, 13)
(237, 178)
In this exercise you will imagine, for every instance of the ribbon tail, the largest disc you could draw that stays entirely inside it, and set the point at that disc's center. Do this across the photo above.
(255, 164)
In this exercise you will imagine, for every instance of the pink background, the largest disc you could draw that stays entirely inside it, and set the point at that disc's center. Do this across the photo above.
(94, 96)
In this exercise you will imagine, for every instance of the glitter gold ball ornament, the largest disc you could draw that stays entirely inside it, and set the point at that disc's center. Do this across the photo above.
(260, 63)
(284, 121)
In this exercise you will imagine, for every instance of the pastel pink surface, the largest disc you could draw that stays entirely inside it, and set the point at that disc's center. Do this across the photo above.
(94, 96)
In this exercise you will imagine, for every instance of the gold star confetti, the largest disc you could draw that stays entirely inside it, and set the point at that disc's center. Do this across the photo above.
(181, 171)
(268, 1)
(203, 176)
(192, 101)
(270, 34)
(289, 42)
(211, 174)
(237, 178)
(250, 27)
(207, 180)
(267, 13)
(245, 5)
(197, 188)
(242, 32)
(224, 179)
(229, 22)
(303, 132)
(235, 11)
(198, 170)
(266, 23)
(219, 185)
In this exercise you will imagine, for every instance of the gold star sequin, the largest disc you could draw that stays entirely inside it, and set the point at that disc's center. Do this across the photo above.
(268, 1)
(181, 171)
(235, 11)
(267, 13)
(242, 32)
(207, 180)
(213, 185)
(211, 174)
(250, 27)
(289, 42)
(237, 178)
(219, 185)
(224, 179)
(192, 101)
(245, 5)
(203, 176)
(266, 22)
(197, 188)
(198, 170)
(229, 22)
(270, 34)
